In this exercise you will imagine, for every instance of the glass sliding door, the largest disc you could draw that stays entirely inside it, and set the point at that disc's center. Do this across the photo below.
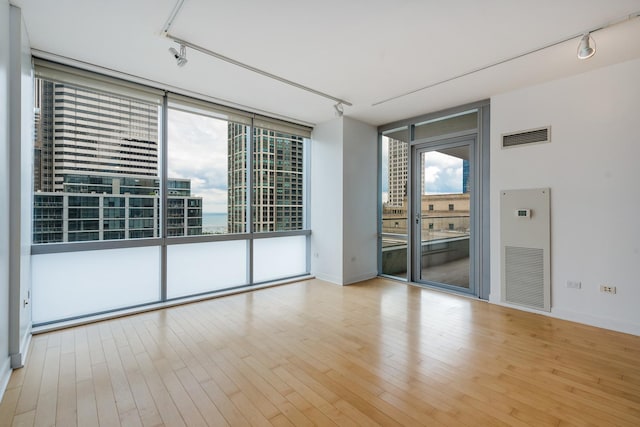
(443, 201)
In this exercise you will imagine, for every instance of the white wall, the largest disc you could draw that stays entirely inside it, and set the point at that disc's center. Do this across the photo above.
(4, 195)
(21, 142)
(344, 201)
(326, 201)
(592, 168)
(359, 218)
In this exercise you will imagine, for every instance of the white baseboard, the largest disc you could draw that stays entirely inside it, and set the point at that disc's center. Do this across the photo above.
(351, 280)
(328, 278)
(18, 359)
(5, 375)
(584, 318)
(360, 278)
(598, 321)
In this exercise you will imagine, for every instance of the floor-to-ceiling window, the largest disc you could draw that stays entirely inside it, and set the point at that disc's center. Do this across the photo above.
(394, 186)
(434, 182)
(143, 196)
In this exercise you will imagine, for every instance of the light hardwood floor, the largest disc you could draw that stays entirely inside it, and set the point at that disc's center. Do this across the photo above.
(375, 353)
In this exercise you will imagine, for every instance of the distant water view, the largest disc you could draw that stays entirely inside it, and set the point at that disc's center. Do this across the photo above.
(214, 223)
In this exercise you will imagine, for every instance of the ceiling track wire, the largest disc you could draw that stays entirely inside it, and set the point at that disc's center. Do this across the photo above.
(513, 58)
(176, 10)
(254, 69)
(172, 17)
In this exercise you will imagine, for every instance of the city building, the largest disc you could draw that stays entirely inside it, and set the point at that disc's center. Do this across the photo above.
(277, 180)
(397, 172)
(114, 212)
(442, 215)
(86, 132)
(96, 169)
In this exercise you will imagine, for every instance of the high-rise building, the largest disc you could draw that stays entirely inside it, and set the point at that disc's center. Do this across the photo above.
(277, 180)
(397, 172)
(95, 133)
(96, 169)
(465, 176)
(237, 177)
(43, 136)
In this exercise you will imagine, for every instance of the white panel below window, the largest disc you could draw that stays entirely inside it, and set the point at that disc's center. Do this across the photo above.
(195, 268)
(79, 283)
(279, 257)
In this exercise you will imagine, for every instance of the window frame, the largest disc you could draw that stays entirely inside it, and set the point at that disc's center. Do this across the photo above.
(105, 83)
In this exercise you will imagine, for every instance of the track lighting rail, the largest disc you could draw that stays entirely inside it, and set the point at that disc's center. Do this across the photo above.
(182, 42)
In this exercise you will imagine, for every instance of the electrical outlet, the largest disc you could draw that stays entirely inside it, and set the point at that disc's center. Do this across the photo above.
(574, 284)
(608, 289)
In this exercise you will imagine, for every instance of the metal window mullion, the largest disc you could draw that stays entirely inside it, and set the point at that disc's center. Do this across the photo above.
(411, 229)
(249, 199)
(306, 196)
(164, 194)
(380, 204)
(483, 185)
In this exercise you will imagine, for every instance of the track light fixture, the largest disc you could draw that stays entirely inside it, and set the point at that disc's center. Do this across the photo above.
(181, 57)
(339, 109)
(586, 47)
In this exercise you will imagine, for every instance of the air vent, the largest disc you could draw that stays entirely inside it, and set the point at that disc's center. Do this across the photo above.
(534, 136)
(525, 243)
(524, 276)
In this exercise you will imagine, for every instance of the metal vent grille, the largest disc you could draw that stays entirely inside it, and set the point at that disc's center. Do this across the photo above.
(524, 276)
(534, 136)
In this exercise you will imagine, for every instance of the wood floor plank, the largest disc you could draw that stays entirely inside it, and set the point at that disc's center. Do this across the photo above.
(105, 399)
(145, 405)
(83, 358)
(249, 410)
(182, 400)
(249, 390)
(313, 413)
(30, 389)
(124, 400)
(94, 340)
(161, 397)
(8, 406)
(47, 398)
(313, 353)
(66, 412)
(133, 340)
(232, 415)
(25, 419)
(313, 393)
(86, 404)
(207, 408)
(282, 421)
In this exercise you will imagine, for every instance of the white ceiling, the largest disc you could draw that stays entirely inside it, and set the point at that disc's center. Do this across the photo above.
(362, 51)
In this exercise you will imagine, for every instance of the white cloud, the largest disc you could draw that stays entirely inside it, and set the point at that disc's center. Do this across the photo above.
(431, 174)
(385, 164)
(442, 174)
(198, 151)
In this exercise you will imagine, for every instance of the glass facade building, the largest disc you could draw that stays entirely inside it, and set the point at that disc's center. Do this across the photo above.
(96, 169)
(278, 184)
